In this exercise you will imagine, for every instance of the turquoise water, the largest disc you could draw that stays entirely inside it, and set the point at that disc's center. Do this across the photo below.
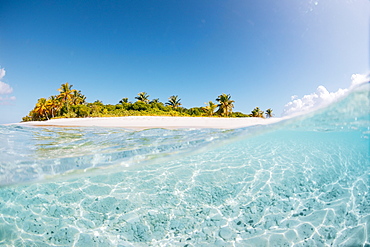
(300, 182)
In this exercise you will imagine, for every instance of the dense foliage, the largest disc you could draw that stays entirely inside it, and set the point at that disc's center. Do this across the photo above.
(71, 103)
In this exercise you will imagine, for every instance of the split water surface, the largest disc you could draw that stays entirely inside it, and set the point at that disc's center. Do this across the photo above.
(300, 182)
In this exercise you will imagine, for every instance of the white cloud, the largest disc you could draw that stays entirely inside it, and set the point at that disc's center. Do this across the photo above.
(7, 100)
(358, 79)
(293, 97)
(4, 88)
(2, 73)
(322, 97)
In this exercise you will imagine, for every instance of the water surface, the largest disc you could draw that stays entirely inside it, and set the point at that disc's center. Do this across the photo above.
(301, 182)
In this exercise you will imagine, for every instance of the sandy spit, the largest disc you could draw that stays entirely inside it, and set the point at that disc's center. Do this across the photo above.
(147, 122)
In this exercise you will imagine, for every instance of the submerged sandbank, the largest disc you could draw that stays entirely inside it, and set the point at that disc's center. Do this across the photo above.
(148, 122)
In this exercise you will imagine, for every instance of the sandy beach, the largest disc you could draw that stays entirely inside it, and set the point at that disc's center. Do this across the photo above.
(147, 122)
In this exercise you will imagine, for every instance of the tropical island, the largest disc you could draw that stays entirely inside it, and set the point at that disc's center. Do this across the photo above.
(71, 103)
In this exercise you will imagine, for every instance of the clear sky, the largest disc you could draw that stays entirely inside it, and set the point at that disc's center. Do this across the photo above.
(260, 52)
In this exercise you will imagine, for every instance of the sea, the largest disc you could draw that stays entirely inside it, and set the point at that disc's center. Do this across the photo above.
(304, 181)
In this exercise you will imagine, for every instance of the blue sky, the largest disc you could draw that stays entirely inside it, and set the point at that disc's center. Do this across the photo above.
(260, 52)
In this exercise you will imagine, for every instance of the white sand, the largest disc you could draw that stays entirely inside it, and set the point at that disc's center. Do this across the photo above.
(147, 122)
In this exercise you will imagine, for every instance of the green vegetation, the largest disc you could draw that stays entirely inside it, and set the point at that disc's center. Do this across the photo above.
(71, 103)
(269, 113)
(174, 101)
(210, 108)
(225, 106)
(143, 97)
(257, 112)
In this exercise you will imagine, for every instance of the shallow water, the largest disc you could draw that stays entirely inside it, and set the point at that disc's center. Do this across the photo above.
(301, 182)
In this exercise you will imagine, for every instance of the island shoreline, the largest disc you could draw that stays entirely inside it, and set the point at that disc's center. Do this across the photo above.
(149, 122)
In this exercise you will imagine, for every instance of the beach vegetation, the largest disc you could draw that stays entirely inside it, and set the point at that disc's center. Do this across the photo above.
(140, 106)
(42, 108)
(71, 103)
(153, 101)
(269, 113)
(66, 96)
(210, 108)
(98, 102)
(82, 110)
(54, 105)
(238, 114)
(174, 101)
(195, 111)
(143, 97)
(123, 100)
(226, 105)
(257, 112)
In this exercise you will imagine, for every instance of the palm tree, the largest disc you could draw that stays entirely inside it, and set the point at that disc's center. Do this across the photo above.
(98, 102)
(225, 105)
(54, 105)
(77, 97)
(269, 113)
(210, 108)
(123, 100)
(174, 101)
(41, 109)
(66, 94)
(155, 100)
(257, 112)
(143, 97)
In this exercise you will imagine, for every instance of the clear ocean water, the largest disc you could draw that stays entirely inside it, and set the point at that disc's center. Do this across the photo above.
(301, 182)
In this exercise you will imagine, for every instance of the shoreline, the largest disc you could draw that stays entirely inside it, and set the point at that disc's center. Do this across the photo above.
(149, 122)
